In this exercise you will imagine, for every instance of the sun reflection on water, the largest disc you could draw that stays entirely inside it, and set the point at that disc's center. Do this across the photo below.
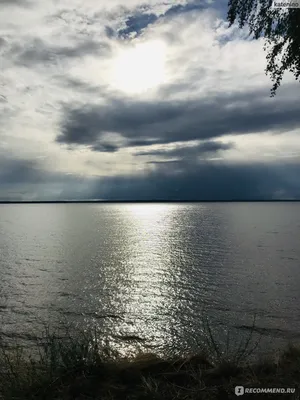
(151, 299)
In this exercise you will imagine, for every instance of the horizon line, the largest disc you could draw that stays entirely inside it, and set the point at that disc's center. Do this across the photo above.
(147, 201)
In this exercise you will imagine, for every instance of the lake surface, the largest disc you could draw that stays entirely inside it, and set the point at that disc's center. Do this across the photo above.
(151, 270)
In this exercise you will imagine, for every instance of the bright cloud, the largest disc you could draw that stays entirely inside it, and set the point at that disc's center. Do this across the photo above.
(86, 88)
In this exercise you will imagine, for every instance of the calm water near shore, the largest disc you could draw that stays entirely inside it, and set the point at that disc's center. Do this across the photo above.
(149, 270)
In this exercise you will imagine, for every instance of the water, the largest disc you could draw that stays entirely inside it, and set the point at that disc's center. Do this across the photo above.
(151, 270)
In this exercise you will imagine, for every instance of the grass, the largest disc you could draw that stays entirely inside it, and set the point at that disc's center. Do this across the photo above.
(79, 366)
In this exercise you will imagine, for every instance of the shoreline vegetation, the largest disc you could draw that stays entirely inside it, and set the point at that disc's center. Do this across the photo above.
(77, 365)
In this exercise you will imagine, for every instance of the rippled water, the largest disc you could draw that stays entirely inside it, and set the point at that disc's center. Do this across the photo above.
(151, 269)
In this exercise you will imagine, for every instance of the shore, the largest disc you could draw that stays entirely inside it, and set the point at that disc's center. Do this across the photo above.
(78, 367)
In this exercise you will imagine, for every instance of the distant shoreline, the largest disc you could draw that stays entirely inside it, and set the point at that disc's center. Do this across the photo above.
(145, 201)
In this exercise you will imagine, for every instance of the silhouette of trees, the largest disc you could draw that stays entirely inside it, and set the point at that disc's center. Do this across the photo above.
(281, 29)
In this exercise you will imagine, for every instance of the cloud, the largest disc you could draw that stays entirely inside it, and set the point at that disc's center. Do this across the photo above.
(205, 181)
(26, 180)
(186, 180)
(188, 7)
(209, 130)
(136, 23)
(22, 3)
(187, 120)
(105, 147)
(38, 51)
(14, 171)
(208, 147)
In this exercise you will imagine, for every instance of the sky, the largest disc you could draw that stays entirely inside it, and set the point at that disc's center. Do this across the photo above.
(140, 100)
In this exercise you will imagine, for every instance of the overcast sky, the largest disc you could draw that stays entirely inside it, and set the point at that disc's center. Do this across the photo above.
(140, 100)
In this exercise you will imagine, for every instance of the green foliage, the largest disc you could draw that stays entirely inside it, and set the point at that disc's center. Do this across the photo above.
(280, 28)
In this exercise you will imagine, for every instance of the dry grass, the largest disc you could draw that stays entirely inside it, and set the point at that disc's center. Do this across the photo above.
(77, 366)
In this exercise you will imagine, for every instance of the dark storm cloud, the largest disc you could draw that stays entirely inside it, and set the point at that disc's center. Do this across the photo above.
(22, 179)
(140, 142)
(202, 148)
(105, 147)
(205, 181)
(163, 122)
(164, 162)
(181, 180)
(37, 51)
(14, 171)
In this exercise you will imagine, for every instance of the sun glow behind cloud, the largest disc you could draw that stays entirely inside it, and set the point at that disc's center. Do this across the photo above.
(139, 68)
(80, 100)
